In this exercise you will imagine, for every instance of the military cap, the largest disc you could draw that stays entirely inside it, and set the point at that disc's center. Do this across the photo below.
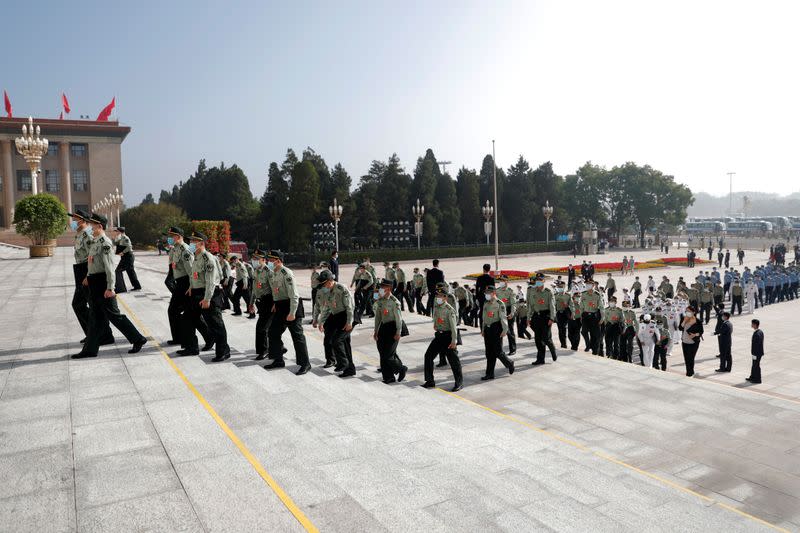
(258, 253)
(386, 283)
(276, 254)
(395, 264)
(325, 275)
(99, 219)
(441, 285)
(490, 288)
(198, 236)
(323, 264)
(441, 290)
(81, 214)
(362, 265)
(120, 229)
(175, 230)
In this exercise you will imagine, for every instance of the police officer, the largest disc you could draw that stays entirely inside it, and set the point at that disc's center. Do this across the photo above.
(506, 295)
(180, 264)
(286, 300)
(80, 298)
(248, 265)
(444, 341)
(124, 250)
(563, 314)
(206, 300)
(637, 291)
(541, 313)
(613, 320)
(336, 321)
(591, 304)
(102, 299)
(227, 279)
(262, 299)
(388, 325)
(737, 294)
(494, 327)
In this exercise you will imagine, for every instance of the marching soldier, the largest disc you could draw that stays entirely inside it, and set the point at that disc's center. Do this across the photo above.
(102, 299)
(493, 329)
(364, 283)
(591, 304)
(637, 291)
(562, 305)
(389, 271)
(522, 319)
(506, 295)
(227, 280)
(206, 301)
(462, 295)
(336, 321)
(262, 299)
(315, 283)
(444, 341)
(666, 288)
(242, 282)
(388, 325)
(613, 319)
(251, 312)
(180, 264)
(630, 327)
(125, 252)
(541, 312)
(400, 287)
(420, 288)
(574, 324)
(611, 286)
(286, 300)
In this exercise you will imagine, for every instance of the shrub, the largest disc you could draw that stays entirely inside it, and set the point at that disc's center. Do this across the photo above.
(218, 233)
(40, 217)
(145, 223)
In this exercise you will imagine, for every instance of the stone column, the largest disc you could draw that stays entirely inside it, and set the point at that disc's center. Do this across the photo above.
(9, 182)
(66, 179)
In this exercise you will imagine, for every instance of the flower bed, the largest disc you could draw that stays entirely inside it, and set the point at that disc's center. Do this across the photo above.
(617, 266)
(513, 275)
(680, 261)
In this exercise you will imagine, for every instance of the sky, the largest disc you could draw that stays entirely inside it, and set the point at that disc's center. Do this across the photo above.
(695, 89)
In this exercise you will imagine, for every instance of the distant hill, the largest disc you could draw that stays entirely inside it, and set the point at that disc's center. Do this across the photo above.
(706, 205)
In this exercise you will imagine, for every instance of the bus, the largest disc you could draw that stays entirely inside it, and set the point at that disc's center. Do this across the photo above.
(779, 224)
(707, 227)
(749, 227)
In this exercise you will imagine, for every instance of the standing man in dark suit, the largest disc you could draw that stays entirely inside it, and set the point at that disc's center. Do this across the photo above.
(434, 276)
(725, 332)
(757, 351)
(483, 281)
(333, 265)
(570, 276)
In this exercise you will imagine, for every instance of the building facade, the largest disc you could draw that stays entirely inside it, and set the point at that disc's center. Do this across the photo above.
(83, 163)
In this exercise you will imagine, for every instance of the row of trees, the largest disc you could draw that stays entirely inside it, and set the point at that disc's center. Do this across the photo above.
(300, 189)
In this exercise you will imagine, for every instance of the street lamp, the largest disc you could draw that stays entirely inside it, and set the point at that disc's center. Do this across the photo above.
(114, 203)
(335, 211)
(496, 208)
(32, 147)
(419, 212)
(547, 211)
(487, 212)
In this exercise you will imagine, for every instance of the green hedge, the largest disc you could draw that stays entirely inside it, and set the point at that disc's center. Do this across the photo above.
(379, 255)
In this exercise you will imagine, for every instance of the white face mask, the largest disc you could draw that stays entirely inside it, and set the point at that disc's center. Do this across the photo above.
(503, 284)
(439, 301)
(689, 314)
(612, 305)
(375, 296)
(488, 297)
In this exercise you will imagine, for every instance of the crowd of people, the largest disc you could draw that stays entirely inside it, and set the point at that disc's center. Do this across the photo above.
(640, 324)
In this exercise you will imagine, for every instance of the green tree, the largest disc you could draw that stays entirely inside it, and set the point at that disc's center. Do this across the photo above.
(469, 203)
(368, 229)
(393, 192)
(447, 202)
(341, 183)
(581, 191)
(520, 202)
(302, 206)
(145, 223)
(657, 199)
(148, 199)
(40, 217)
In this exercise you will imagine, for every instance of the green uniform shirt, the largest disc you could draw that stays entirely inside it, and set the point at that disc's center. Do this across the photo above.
(83, 242)
(575, 308)
(419, 280)
(706, 296)
(399, 276)
(334, 301)
(691, 292)
(630, 320)
(445, 318)
(241, 274)
(461, 294)
(509, 299)
(206, 273)
(612, 315)
(390, 273)
(283, 288)
(666, 287)
(371, 269)
(562, 300)
(540, 299)
(522, 310)
(611, 284)
(736, 290)
(101, 260)
(180, 260)
(125, 242)
(261, 282)
(591, 303)
(717, 291)
(387, 310)
(364, 276)
(494, 311)
(637, 286)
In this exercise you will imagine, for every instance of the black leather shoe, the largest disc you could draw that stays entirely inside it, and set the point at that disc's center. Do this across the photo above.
(83, 340)
(82, 355)
(137, 346)
(187, 352)
(512, 352)
(207, 347)
(402, 374)
(275, 364)
(389, 381)
(251, 316)
(172, 342)
(586, 349)
(347, 373)
(237, 314)
(719, 370)
(107, 342)
(554, 356)
(429, 385)
(220, 358)
(537, 362)
(457, 387)
(261, 357)
(303, 370)
(511, 368)
(328, 364)
(486, 378)
(338, 368)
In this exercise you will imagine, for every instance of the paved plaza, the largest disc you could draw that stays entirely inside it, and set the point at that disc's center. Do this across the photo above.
(152, 442)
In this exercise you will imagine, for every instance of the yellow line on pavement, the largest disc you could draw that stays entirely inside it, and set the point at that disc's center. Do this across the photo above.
(254, 462)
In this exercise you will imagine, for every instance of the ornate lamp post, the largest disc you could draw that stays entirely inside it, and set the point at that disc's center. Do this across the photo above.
(547, 211)
(335, 211)
(32, 147)
(487, 211)
(115, 199)
(419, 212)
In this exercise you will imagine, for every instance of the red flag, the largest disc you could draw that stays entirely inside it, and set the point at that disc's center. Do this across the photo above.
(65, 103)
(8, 104)
(106, 112)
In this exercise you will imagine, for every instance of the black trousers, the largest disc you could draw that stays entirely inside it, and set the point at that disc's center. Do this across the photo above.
(238, 294)
(590, 324)
(211, 318)
(522, 328)
(562, 320)
(755, 370)
(660, 357)
(493, 344)
(264, 307)
(636, 295)
(400, 293)
(440, 345)
(418, 300)
(689, 353)
(626, 345)
(105, 310)
(736, 302)
(705, 312)
(512, 338)
(81, 306)
(429, 305)
(542, 335)
(126, 265)
(178, 314)
(725, 357)
(295, 327)
(339, 341)
(463, 312)
(612, 337)
(574, 333)
(387, 349)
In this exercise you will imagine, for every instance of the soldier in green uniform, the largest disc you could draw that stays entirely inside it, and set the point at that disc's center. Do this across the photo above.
(666, 288)
(611, 286)
(718, 293)
(336, 321)
(315, 283)
(613, 319)
(591, 304)
(637, 291)
(242, 282)
(365, 285)
(206, 301)
(461, 295)
(522, 320)
(102, 299)
(563, 312)
(493, 329)
(124, 249)
(444, 341)
(251, 312)
(227, 280)
(419, 286)
(706, 299)
(81, 296)
(400, 291)
(320, 301)
(693, 294)
(630, 326)
(506, 295)
(389, 273)
(262, 299)
(388, 324)
(574, 325)
(541, 312)
(180, 264)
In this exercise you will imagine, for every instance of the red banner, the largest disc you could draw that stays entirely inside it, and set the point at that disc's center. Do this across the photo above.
(8, 104)
(106, 112)
(65, 103)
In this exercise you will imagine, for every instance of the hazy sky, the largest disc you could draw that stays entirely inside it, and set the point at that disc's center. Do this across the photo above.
(695, 89)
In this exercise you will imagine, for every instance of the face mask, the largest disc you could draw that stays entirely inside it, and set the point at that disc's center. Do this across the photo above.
(88, 230)
(271, 266)
(73, 225)
(439, 301)
(193, 247)
(254, 263)
(538, 284)
(170, 241)
(324, 289)
(689, 314)
(488, 297)
(612, 305)
(375, 295)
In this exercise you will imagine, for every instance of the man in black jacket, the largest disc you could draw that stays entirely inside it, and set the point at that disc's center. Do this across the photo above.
(483, 281)
(433, 277)
(725, 332)
(333, 265)
(757, 351)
